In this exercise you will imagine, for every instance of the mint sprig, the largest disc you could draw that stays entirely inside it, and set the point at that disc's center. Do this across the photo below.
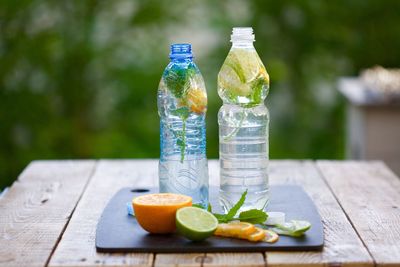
(232, 212)
(254, 216)
(183, 113)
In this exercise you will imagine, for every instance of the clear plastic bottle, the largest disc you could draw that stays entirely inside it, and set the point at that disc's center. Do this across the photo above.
(243, 84)
(182, 106)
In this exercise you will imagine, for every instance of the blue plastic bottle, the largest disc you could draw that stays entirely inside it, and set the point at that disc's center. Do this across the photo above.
(182, 106)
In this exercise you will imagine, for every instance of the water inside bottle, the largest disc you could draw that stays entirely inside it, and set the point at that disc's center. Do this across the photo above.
(243, 84)
(182, 105)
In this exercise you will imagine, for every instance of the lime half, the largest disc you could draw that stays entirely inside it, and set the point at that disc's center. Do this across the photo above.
(195, 224)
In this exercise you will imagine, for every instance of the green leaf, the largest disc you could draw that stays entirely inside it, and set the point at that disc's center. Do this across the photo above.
(179, 143)
(221, 217)
(254, 216)
(258, 88)
(209, 208)
(232, 212)
(182, 112)
(293, 228)
(177, 79)
(197, 206)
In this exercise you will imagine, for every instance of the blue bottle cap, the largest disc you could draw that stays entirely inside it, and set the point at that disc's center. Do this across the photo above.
(181, 51)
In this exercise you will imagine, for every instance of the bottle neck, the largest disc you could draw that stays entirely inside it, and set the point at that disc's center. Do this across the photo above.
(181, 53)
(182, 59)
(243, 44)
(242, 37)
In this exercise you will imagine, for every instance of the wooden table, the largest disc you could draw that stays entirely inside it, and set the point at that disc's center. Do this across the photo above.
(49, 216)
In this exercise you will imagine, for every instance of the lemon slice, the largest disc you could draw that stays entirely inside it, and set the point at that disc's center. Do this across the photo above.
(258, 235)
(270, 236)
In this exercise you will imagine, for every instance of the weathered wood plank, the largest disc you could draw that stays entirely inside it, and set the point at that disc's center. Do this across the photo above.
(77, 246)
(234, 259)
(36, 209)
(178, 260)
(370, 195)
(342, 246)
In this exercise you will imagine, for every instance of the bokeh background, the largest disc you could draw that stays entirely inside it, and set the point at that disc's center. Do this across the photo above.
(78, 79)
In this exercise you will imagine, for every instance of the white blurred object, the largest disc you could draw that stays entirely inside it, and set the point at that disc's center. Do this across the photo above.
(382, 83)
(373, 116)
(275, 217)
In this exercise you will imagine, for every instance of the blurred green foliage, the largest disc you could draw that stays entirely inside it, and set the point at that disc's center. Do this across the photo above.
(78, 79)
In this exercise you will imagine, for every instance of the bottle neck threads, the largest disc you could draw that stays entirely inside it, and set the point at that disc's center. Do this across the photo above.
(181, 52)
(242, 37)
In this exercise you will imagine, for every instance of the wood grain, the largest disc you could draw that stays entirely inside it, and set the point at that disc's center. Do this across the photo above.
(370, 195)
(36, 209)
(234, 259)
(77, 246)
(342, 245)
(178, 260)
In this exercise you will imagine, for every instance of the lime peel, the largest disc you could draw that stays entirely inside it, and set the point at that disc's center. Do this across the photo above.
(195, 224)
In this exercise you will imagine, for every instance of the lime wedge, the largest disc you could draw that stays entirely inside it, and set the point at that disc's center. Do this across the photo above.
(293, 228)
(195, 224)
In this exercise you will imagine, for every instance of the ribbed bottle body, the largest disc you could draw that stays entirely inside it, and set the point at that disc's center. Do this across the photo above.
(182, 105)
(243, 85)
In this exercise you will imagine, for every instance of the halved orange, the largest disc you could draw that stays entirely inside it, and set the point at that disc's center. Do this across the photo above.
(155, 213)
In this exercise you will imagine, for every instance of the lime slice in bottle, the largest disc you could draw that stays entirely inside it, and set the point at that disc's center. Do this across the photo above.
(241, 69)
(247, 63)
(195, 224)
(228, 79)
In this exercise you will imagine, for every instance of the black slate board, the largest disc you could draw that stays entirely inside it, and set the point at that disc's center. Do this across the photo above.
(119, 232)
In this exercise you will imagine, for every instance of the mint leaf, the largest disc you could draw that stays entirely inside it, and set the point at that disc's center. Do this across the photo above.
(182, 112)
(209, 208)
(179, 142)
(257, 92)
(232, 212)
(253, 216)
(177, 78)
(197, 206)
(220, 217)
(293, 228)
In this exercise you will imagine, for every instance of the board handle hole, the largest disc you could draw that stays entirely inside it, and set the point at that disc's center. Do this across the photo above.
(139, 190)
